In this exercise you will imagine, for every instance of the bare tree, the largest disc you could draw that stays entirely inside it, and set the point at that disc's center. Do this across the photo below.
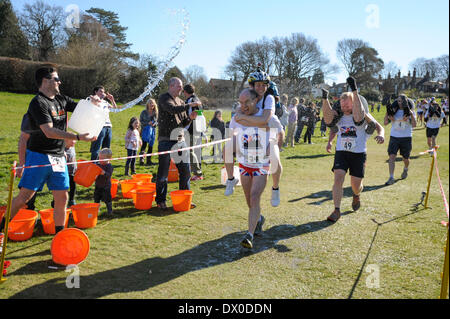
(303, 58)
(443, 66)
(243, 61)
(345, 49)
(43, 25)
(425, 67)
(391, 68)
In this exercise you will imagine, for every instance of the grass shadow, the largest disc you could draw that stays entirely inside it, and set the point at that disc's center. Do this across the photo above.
(212, 187)
(308, 156)
(355, 284)
(155, 271)
(327, 195)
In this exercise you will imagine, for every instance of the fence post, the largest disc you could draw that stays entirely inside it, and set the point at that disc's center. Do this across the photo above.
(7, 217)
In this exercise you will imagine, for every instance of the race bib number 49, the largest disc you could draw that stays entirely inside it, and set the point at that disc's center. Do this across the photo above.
(348, 143)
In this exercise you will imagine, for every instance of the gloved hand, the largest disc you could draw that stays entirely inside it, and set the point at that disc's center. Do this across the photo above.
(352, 83)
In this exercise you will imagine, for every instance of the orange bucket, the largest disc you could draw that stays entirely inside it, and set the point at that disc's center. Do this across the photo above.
(173, 172)
(85, 215)
(114, 187)
(141, 189)
(181, 200)
(48, 223)
(143, 177)
(21, 227)
(70, 247)
(129, 185)
(144, 199)
(86, 173)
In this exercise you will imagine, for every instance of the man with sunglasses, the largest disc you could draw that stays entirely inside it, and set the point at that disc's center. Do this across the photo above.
(47, 115)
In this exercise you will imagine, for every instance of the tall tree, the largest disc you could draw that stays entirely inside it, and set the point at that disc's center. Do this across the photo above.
(345, 50)
(366, 65)
(13, 42)
(110, 20)
(43, 26)
(303, 58)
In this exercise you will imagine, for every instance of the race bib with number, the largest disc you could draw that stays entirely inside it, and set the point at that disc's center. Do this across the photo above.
(348, 143)
(399, 125)
(58, 163)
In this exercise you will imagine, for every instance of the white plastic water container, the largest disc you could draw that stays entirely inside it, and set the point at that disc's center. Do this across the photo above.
(87, 118)
(224, 175)
(200, 122)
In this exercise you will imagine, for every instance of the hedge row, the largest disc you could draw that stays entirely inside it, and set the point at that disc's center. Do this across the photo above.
(17, 76)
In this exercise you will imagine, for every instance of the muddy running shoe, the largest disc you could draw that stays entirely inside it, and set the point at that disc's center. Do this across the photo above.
(162, 206)
(390, 181)
(334, 217)
(405, 174)
(247, 241)
(229, 190)
(356, 203)
(259, 225)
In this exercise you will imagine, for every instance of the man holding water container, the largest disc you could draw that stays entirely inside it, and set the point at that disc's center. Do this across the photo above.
(48, 120)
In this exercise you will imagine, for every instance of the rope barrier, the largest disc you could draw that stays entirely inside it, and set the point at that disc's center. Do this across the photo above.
(136, 156)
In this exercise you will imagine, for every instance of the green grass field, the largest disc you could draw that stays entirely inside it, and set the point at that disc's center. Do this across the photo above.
(388, 249)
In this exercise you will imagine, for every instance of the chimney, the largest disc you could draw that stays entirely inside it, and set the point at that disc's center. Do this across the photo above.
(414, 73)
(399, 74)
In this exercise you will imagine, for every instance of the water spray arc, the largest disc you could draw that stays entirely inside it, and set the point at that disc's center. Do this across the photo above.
(153, 81)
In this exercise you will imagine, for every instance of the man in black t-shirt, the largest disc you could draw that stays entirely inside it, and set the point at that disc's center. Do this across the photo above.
(47, 114)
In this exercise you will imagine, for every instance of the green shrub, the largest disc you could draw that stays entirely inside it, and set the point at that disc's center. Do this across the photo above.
(17, 76)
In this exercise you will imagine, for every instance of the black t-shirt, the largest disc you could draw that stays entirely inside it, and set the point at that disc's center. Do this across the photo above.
(43, 110)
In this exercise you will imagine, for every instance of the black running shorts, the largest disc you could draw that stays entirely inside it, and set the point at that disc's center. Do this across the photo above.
(355, 162)
(432, 132)
(404, 144)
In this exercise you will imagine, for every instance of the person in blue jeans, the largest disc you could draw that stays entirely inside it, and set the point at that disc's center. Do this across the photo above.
(173, 117)
(105, 136)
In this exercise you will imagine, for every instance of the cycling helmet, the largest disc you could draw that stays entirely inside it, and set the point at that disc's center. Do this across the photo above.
(259, 76)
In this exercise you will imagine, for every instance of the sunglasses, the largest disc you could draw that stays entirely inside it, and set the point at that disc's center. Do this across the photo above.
(56, 79)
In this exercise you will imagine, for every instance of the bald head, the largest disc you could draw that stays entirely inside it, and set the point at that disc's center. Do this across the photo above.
(248, 99)
(175, 86)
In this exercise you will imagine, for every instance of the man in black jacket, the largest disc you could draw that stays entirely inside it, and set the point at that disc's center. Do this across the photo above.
(173, 118)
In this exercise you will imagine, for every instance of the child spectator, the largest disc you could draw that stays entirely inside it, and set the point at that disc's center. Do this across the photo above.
(292, 122)
(218, 125)
(71, 158)
(132, 143)
(323, 127)
(103, 182)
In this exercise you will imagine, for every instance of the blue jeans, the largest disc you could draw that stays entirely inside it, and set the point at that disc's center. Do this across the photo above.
(163, 169)
(103, 141)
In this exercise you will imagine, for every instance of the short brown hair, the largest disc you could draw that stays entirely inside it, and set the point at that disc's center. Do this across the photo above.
(44, 72)
(189, 88)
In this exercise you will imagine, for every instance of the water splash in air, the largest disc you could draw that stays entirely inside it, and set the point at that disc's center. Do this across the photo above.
(164, 66)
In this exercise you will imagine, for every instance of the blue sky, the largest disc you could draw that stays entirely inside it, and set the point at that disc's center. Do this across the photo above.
(404, 31)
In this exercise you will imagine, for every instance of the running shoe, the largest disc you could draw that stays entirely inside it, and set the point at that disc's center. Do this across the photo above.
(334, 217)
(356, 203)
(405, 174)
(162, 206)
(229, 190)
(390, 181)
(247, 241)
(259, 225)
(275, 201)
(196, 178)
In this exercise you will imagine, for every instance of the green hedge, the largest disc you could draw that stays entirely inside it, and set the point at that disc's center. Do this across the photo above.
(17, 76)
